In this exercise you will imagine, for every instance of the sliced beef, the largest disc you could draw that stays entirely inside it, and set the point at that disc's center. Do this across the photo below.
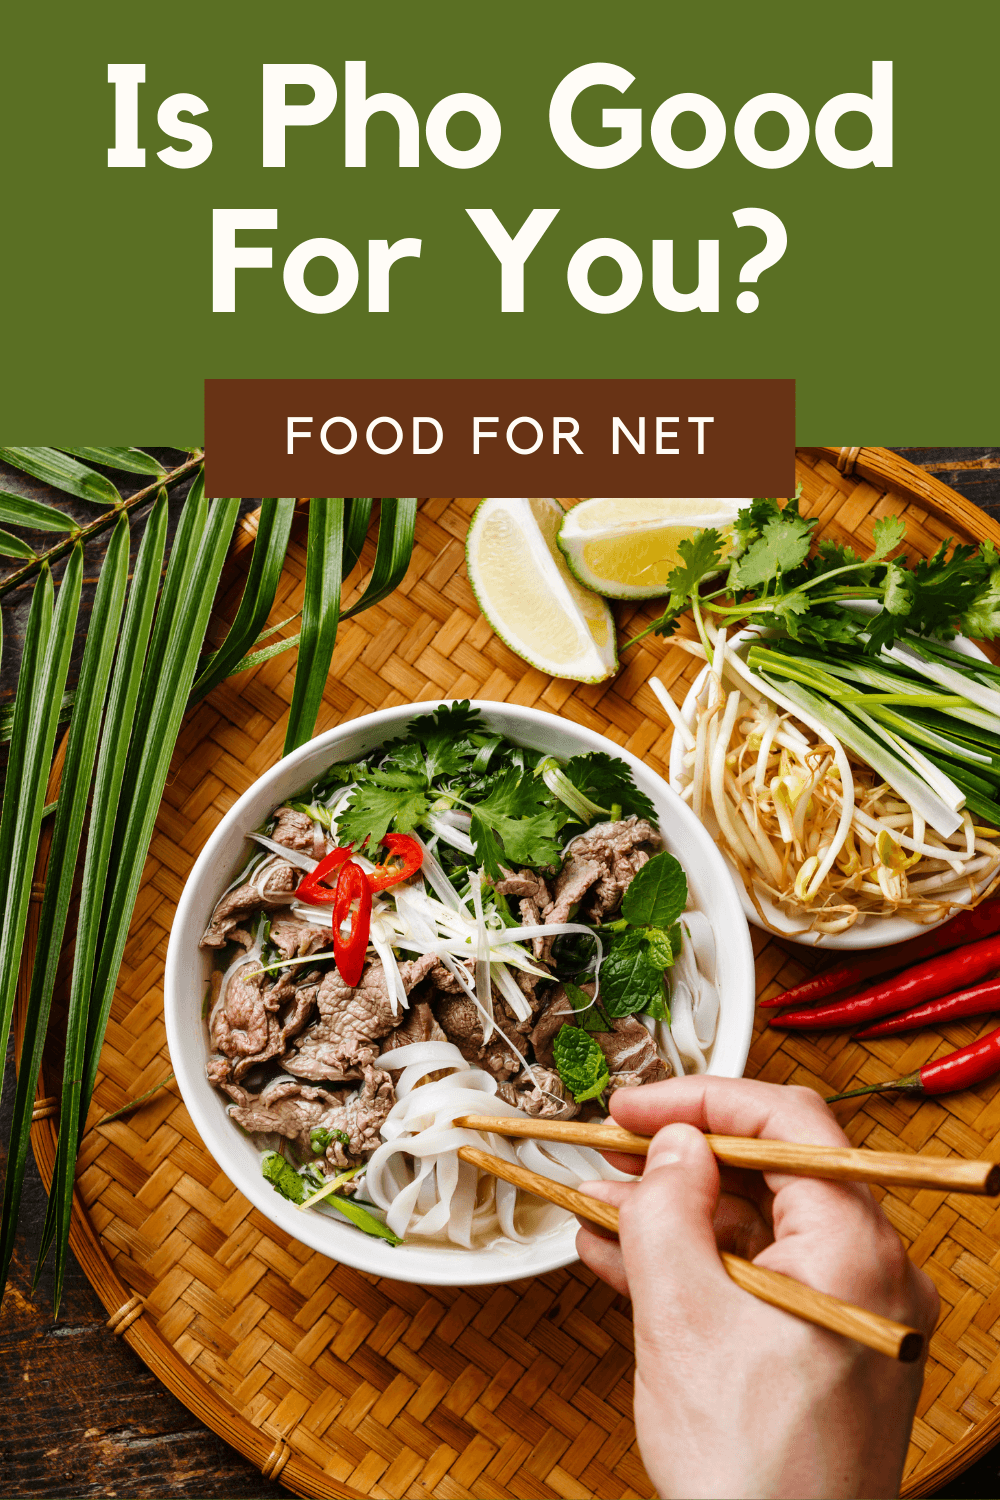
(258, 1017)
(600, 866)
(285, 1108)
(558, 1012)
(444, 980)
(343, 1040)
(296, 830)
(295, 939)
(360, 1118)
(418, 1025)
(532, 899)
(462, 1024)
(547, 1099)
(631, 1054)
(267, 890)
(413, 970)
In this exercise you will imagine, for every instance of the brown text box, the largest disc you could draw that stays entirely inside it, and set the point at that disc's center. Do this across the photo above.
(500, 437)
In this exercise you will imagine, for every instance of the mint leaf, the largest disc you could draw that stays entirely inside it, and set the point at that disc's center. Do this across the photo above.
(887, 533)
(605, 779)
(658, 893)
(629, 981)
(373, 809)
(659, 1010)
(283, 1177)
(662, 947)
(580, 1063)
(590, 1015)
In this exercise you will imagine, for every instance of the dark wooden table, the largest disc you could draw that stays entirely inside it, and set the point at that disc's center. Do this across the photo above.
(81, 1415)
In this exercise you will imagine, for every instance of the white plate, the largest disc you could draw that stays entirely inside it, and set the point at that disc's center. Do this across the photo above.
(866, 933)
(188, 968)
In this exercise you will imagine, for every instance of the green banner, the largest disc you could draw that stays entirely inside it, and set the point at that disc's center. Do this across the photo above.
(549, 190)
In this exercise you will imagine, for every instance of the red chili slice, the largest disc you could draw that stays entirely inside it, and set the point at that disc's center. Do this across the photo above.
(349, 953)
(401, 848)
(312, 889)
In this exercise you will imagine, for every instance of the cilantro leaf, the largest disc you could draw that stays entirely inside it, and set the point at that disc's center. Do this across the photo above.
(283, 1177)
(489, 850)
(454, 721)
(580, 1063)
(410, 779)
(629, 981)
(658, 893)
(405, 757)
(750, 522)
(898, 596)
(700, 555)
(374, 808)
(887, 534)
(783, 545)
(606, 780)
(981, 617)
(518, 809)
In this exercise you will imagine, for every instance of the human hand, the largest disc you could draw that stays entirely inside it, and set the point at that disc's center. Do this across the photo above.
(733, 1397)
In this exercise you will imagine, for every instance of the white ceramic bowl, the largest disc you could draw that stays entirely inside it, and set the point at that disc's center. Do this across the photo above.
(187, 971)
(866, 933)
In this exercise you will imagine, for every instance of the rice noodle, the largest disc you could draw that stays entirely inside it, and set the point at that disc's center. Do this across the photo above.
(416, 1177)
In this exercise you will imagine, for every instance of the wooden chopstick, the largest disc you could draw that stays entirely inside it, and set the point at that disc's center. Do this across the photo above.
(838, 1163)
(878, 1333)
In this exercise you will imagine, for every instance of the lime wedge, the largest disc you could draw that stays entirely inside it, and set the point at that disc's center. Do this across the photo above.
(525, 590)
(626, 549)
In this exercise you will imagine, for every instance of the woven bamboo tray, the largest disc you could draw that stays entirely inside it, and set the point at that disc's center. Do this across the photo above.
(345, 1385)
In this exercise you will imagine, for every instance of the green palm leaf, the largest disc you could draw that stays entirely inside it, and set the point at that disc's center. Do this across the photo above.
(7, 714)
(258, 658)
(12, 546)
(17, 511)
(131, 460)
(24, 797)
(79, 764)
(63, 473)
(320, 617)
(119, 721)
(357, 514)
(203, 546)
(397, 520)
(273, 528)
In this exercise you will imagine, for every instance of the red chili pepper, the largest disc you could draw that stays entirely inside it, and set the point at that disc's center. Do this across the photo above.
(978, 1001)
(349, 953)
(959, 1070)
(402, 848)
(311, 888)
(939, 976)
(966, 927)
